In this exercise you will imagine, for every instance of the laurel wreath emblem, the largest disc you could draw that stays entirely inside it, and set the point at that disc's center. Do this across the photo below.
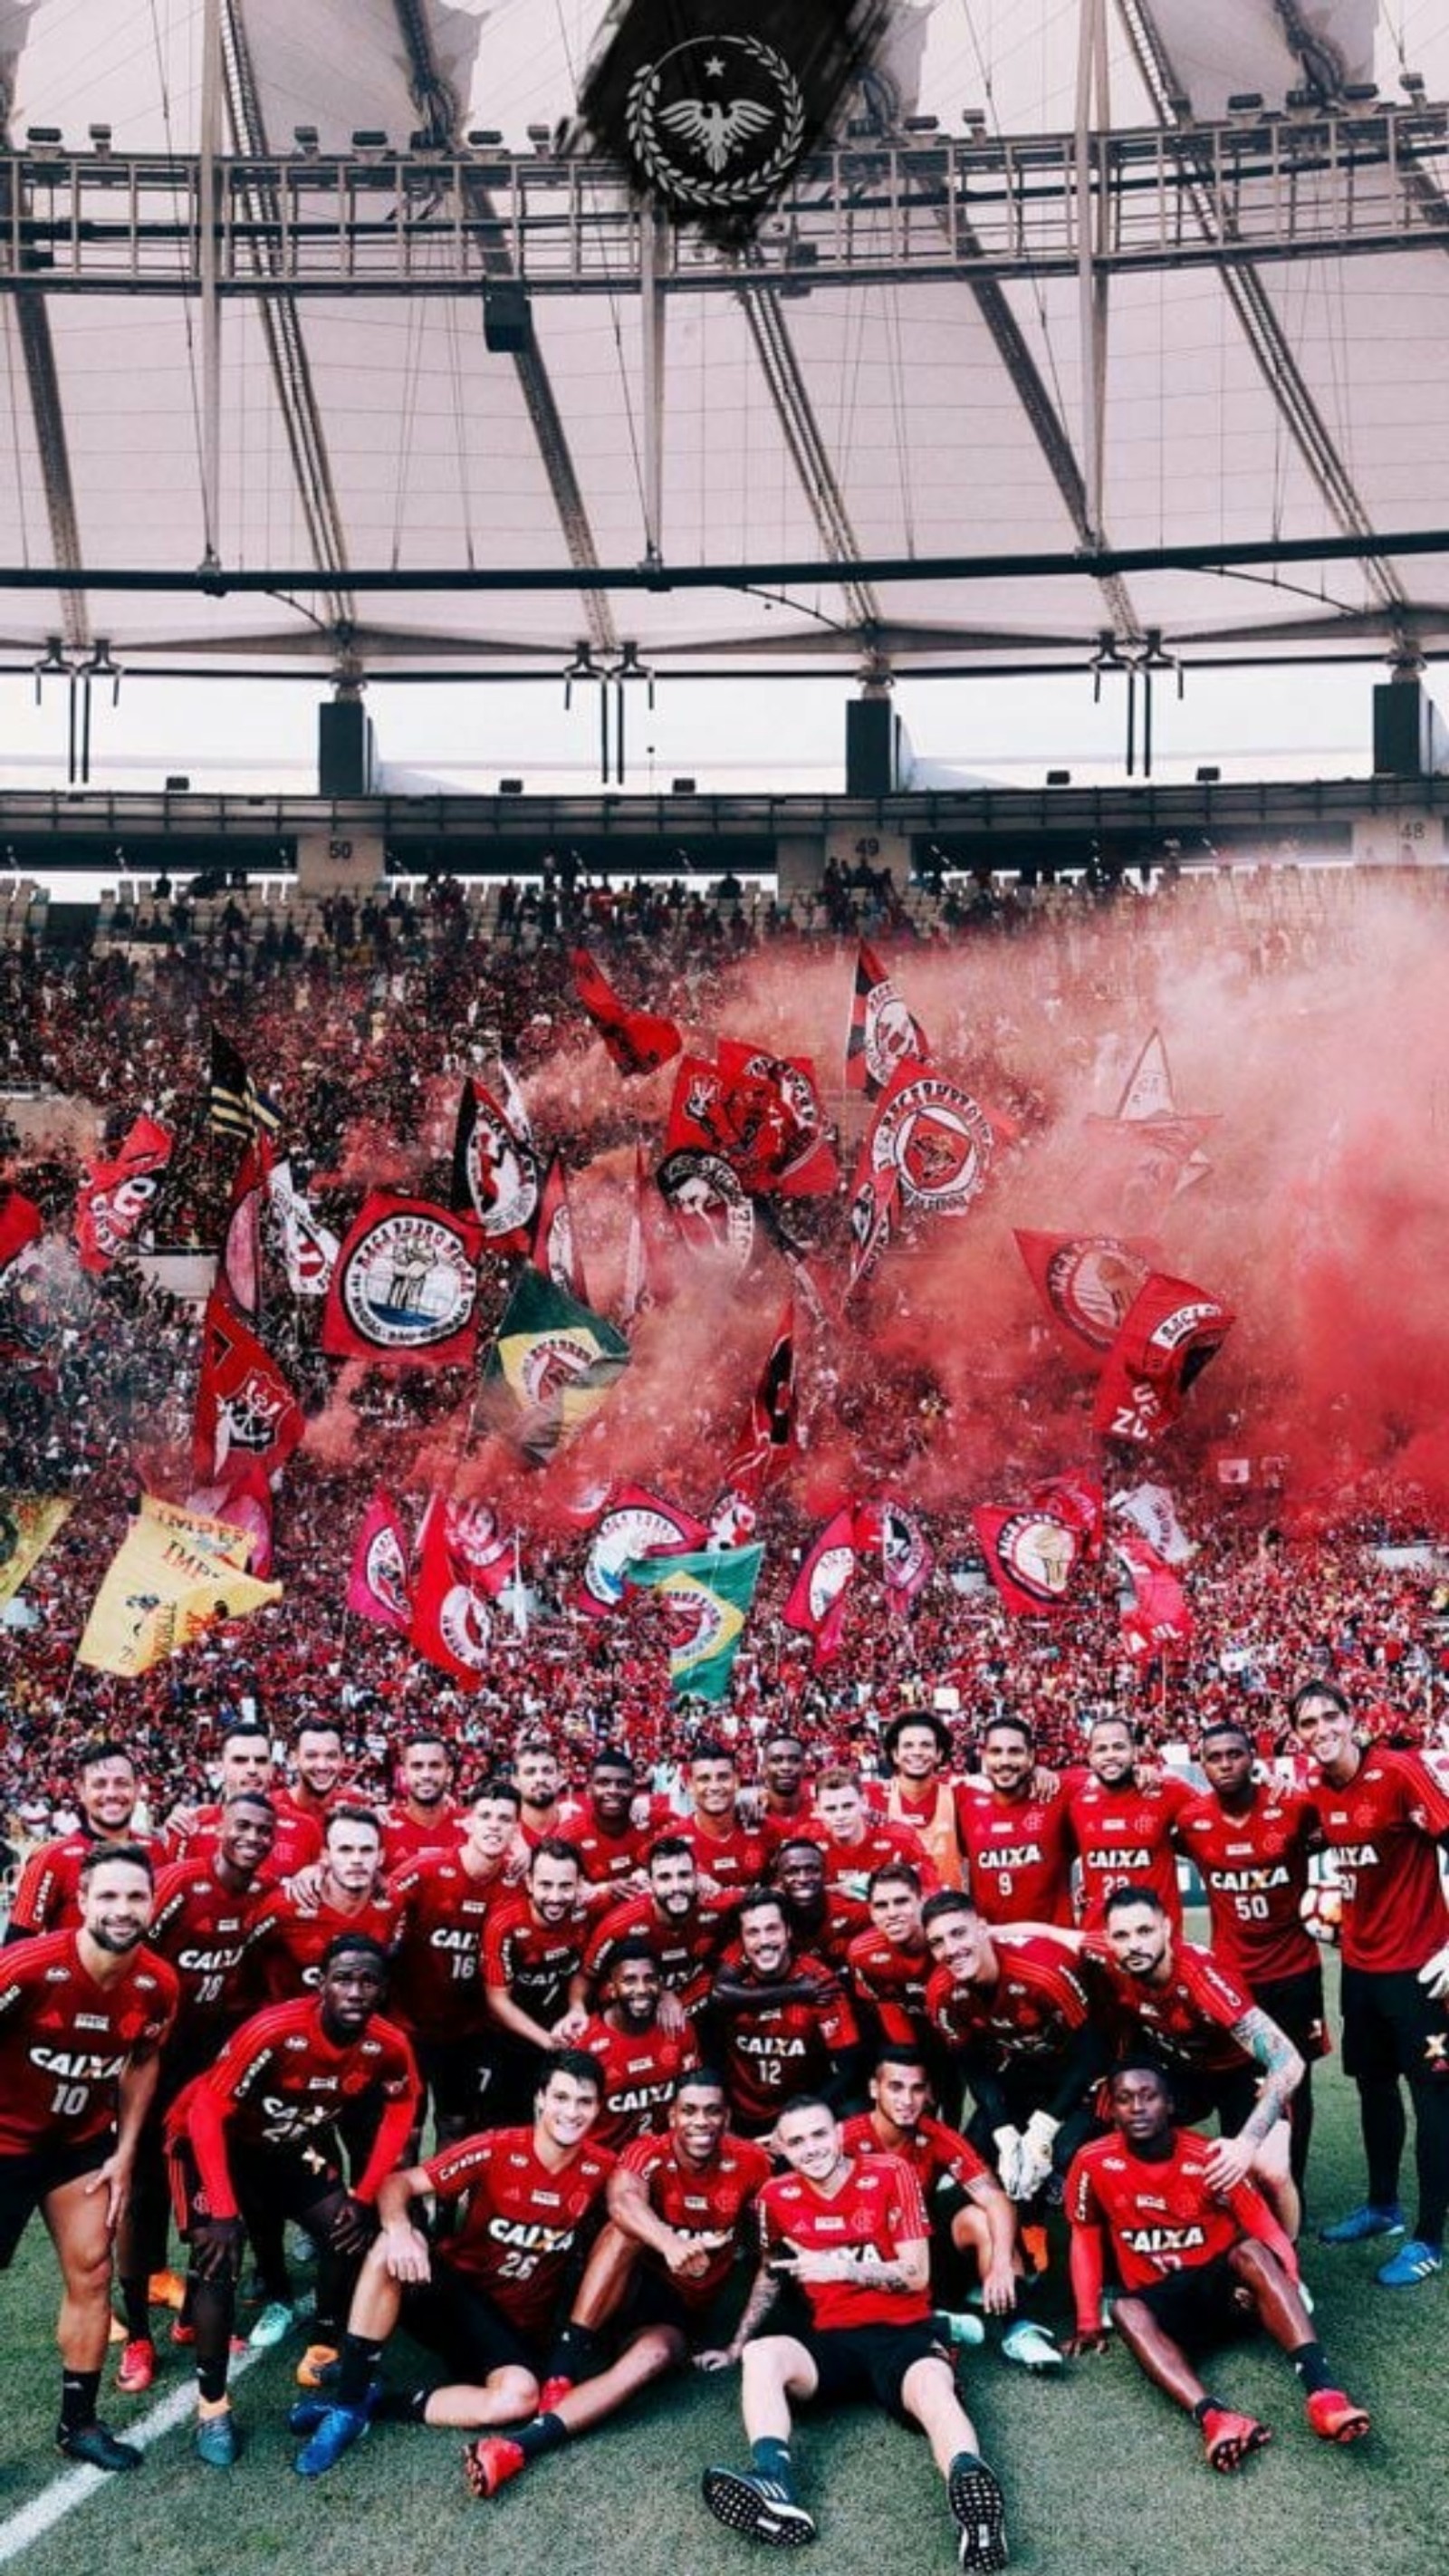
(639, 111)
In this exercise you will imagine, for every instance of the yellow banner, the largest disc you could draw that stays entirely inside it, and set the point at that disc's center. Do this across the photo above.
(28, 1523)
(174, 1573)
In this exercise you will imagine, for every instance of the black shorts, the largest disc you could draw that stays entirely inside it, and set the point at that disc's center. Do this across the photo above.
(871, 2361)
(1392, 2027)
(1202, 2093)
(1296, 2004)
(1199, 2305)
(459, 2076)
(653, 2299)
(458, 2321)
(268, 2183)
(26, 2181)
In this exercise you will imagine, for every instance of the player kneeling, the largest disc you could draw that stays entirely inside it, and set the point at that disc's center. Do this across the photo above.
(1197, 2265)
(849, 2234)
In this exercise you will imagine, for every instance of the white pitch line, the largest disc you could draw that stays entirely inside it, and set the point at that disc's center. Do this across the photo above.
(19, 2531)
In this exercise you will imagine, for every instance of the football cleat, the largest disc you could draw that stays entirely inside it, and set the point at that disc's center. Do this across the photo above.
(979, 2508)
(758, 2507)
(1031, 2346)
(1335, 2418)
(1414, 2261)
(215, 2439)
(272, 2327)
(340, 2427)
(490, 2463)
(1228, 2439)
(96, 2447)
(136, 2368)
(166, 2290)
(308, 2412)
(316, 2362)
(1371, 2219)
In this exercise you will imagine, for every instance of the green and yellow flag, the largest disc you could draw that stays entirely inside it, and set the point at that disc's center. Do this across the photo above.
(28, 1523)
(551, 1367)
(707, 1599)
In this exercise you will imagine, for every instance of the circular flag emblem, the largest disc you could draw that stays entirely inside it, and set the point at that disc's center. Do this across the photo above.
(622, 1536)
(1091, 1282)
(829, 1576)
(465, 1626)
(1038, 1553)
(474, 1535)
(552, 1362)
(385, 1574)
(718, 122)
(501, 1171)
(408, 1284)
(890, 1036)
(709, 1206)
(939, 1141)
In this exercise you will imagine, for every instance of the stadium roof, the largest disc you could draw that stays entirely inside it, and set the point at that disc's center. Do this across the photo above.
(978, 399)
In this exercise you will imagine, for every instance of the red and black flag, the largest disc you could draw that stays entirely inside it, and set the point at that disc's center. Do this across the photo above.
(760, 1113)
(817, 1597)
(405, 1287)
(903, 1555)
(935, 1138)
(635, 1524)
(1157, 1620)
(451, 1616)
(241, 1250)
(555, 1250)
(637, 1041)
(495, 1168)
(1087, 1283)
(379, 1586)
(244, 1406)
(1032, 1553)
(764, 1452)
(1170, 1332)
(883, 1035)
(116, 1192)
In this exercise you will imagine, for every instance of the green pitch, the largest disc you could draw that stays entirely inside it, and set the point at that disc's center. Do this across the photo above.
(1102, 2477)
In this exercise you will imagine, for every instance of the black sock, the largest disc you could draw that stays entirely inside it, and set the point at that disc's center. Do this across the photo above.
(1208, 2406)
(211, 2379)
(79, 2390)
(544, 2433)
(1311, 2364)
(575, 2354)
(403, 2406)
(965, 2461)
(136, 2308)
(356, 2369)
(772, 2459)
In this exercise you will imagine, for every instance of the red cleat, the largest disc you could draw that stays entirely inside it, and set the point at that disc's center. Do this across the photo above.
(550, 2393)
(1335, 2418)
(1228, 2439)
(490, 2463)
(136, 2368)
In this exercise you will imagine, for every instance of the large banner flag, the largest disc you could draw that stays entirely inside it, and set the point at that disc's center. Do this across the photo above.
(1170, 1332)
(174, 1574)
(1087, 1283)
(1077, 1498)
(309, 1248)
(1157, 1620)
(1151, 1150)
(241, 1250)
(707, 1601)
(377, 1586)
(875, 1215)
(555, 1248)
(762, 1114)
(637, 1041)
(551, 1367)
(244, 1407)
(883, 1035)
(116, 1192)
(816, 1600)
(495, 1167)
(1152, 1510)
(764, 1452)
(28, 1523)
(1031, 1554)
(452, 1597)
(406, 1285)
(635, 1525)
(892, 1538)
(236, 1106)
(935, 1139)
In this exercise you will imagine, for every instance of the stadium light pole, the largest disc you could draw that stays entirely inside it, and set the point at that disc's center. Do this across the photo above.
(208, 214)
(1092, 93)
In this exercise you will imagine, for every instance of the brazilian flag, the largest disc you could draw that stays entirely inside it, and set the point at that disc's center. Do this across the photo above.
(551, 1367)
(707, 1599)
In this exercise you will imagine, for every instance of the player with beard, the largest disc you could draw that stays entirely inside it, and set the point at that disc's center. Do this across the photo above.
(262, 2131)
(425, 1817)
(685, 1930)
(822, 1918)
(444, 1900)
(47, 1898)
(782, 1806)
(245, 1762)
(1197, 2261)
(851, 2236)
(537, 1769)
(727, 1851)
(533, 1974)
(205, 1911)
(319, 1765)
(83, 2015)
(680, 2205)
(290, 1938)
(1017, 1844)
(1123, 1828)
(641, 2062)
(1250, 1844)
(1385, 1818)
(783, 2022)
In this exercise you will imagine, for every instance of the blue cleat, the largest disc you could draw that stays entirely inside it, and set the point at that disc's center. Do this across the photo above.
(340, 2427)
(215, 2439)
(1360, 2224)
(308, 2412)
(1414, 2261)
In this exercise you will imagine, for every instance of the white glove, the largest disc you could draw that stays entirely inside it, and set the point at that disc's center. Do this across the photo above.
(1434, 1976)
(1008, 2145)
(1035, 2160)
